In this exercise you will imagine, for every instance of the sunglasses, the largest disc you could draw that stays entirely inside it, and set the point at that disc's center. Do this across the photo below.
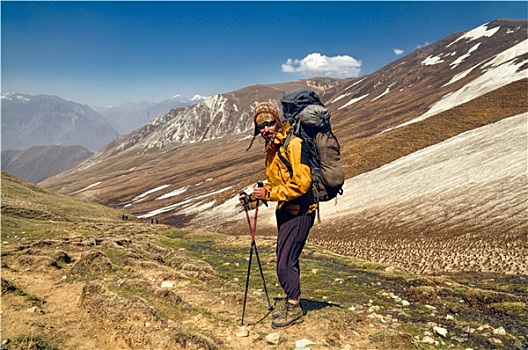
(269, 124)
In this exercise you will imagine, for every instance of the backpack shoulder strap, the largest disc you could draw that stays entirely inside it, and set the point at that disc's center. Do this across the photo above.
(285, 147)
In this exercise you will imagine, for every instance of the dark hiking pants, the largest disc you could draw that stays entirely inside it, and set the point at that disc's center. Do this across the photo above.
(293, 232)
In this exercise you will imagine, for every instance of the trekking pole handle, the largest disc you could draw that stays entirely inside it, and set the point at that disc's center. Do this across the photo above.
(260, 184)
(243, 196)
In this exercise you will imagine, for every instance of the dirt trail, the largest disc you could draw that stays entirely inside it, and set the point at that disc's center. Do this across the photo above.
(56, 315)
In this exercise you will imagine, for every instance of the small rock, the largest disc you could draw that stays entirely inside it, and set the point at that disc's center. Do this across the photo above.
(35, 310)
(273, 338)
(468, 330)
(441, 331)
(499, 331)
(428, 340)
(455, 308)
(450, 317)
(405, 303)
(167, 284)
(302, 344)
(389, 269)
(314, 271)
(242, 331)
(495, 341)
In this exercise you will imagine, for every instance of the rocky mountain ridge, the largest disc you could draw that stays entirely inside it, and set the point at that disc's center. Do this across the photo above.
(131, 116)
(216, 117)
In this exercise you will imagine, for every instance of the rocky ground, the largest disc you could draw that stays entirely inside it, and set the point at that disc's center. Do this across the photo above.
(130, 286)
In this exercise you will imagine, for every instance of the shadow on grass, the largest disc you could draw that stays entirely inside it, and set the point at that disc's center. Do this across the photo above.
(312, 305)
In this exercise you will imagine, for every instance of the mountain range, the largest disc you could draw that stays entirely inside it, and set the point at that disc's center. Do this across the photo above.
(38, 163)
(433, 146)
(41, 120)
(42, 135)
(131, 115)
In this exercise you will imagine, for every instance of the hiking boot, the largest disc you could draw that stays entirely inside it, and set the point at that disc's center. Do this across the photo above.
(292, 314)
(280, 311)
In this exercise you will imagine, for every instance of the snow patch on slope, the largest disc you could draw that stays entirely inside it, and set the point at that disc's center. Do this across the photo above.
(502, 71)
(479, 32)
(482, 155)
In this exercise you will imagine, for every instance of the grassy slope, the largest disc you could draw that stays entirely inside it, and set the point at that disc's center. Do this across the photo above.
(365, 154)
(209, 270)
(31, 211)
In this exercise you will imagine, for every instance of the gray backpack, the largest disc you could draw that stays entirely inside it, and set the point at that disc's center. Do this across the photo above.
(310, 120)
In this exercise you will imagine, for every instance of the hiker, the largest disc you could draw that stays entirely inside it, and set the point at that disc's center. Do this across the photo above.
(296, 207)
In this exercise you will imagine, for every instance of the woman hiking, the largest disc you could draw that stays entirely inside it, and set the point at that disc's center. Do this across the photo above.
(289, 183)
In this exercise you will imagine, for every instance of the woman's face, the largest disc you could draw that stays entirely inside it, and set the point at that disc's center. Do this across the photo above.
(268, 130)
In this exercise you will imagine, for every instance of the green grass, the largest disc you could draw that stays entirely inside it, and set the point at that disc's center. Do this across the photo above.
(30, 211)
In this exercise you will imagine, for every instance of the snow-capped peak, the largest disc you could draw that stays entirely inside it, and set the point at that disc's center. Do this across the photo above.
(198, 98)
(9, 96)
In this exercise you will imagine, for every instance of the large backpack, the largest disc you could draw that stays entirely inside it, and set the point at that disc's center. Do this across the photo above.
(310, 120)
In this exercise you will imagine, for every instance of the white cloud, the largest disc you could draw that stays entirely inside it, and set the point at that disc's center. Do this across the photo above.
(317, 64)
(397, 51)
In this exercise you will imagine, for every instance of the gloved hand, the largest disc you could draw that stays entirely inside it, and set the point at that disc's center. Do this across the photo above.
(249, 201)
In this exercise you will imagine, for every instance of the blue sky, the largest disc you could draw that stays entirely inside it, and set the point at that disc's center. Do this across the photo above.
(108, 53)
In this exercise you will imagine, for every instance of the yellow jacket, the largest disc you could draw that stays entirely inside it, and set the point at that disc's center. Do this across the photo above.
(289, 184)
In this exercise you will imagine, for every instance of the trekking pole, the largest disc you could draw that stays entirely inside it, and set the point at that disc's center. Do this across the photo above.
(246, 209)
(270, 307)
(253, 247)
